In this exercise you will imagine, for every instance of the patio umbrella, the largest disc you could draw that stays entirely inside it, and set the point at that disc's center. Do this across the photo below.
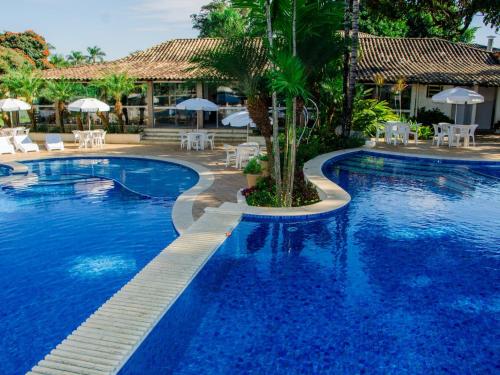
(13, 105)
(458, 95)
(199, 104)
(239, 120)
(88, 105)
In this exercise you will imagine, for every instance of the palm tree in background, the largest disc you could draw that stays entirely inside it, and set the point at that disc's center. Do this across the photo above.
(95, 54)
(115, 86)
(26, 84)
(76, 58)
(58, 61)
(60, 92)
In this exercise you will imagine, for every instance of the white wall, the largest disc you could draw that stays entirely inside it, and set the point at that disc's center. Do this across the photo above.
(497, 107)
(419, 99)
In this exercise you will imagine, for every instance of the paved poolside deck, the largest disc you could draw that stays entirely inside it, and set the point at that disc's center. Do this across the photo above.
(487, 148)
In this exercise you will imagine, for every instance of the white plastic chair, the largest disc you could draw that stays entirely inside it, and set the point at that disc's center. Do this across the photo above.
(230, 154)
(54, 142)
(244, 153)
(400, 132)
(6, 147)
(415, 133)
(25, 144)
(472, 132)
(439, 135)
(184, 139)
(210, 140)
(76, 134)
(84, 139)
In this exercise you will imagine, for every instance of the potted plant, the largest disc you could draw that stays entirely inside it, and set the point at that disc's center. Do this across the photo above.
(264, 163)
(252, 171)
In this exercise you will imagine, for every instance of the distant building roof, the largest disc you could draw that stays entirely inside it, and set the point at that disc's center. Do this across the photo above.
(418, 60)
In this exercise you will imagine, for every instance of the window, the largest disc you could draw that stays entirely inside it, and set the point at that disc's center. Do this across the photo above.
(433, 90)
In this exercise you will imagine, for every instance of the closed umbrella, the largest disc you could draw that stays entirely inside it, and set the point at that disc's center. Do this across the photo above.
(458, 95)
(13, 105)
(88, 105)
(199, 104)
(239, 120)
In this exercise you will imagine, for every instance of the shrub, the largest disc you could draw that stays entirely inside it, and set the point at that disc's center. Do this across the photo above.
(430, 116)
(253, 167)
(304, 193)
(367, 113)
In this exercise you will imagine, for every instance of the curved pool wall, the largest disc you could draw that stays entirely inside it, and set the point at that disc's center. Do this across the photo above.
(73, 232)
(404, 279)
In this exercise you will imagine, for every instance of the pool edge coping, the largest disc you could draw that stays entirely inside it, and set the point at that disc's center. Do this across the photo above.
(182, 210)
(332, 196)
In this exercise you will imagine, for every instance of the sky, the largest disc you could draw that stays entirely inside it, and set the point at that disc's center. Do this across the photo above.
(118, 27)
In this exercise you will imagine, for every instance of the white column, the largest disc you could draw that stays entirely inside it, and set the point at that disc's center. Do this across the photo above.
(473, 113)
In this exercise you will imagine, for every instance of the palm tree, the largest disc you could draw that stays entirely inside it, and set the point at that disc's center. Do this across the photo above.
(115, 86)
(76, 58)
(58, 61)
(26, 84)
(95, 54)
(60, 92)
(242, 60)
(351, 59)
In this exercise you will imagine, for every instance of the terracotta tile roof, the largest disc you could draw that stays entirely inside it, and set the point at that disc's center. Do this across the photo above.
(419, 60)
(427, 60)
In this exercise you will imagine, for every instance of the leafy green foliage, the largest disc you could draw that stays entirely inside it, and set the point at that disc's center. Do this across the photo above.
(263, 194)
(61, 90)
(11, 60)
(218, 19)
(368, 113)
(95, 54)
(253, 167)
(288, 78)
(31, 46)
(430, 116)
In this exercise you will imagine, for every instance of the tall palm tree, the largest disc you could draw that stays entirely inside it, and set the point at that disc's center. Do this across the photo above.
(60, 92)
(350, 62)
(95, 54)
(26, 84)
(76, 58)
(115, 86)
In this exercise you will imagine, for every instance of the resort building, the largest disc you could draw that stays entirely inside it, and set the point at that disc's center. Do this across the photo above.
(427, 65)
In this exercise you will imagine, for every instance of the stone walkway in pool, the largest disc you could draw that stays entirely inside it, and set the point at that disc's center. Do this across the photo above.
(226, 184)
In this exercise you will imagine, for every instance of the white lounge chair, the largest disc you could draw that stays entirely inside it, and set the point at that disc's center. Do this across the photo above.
(53, 142)
(5, 146)
(25, 144)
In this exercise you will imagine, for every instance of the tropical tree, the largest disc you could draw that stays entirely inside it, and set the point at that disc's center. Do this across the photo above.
(31, 46)
(351, 29)
(60, 92)
(243, 61)
(76, 58)
(24, 83)
(115, 86)
(95, 54)
(58, 61)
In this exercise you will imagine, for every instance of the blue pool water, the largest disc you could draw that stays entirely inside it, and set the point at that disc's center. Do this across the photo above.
(70, 236)
(4, 171)
(404, 280)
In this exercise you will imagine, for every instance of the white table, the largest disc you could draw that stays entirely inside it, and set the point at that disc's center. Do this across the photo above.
(246, 151)
(457, 132)
(196, 140)
(90, 138)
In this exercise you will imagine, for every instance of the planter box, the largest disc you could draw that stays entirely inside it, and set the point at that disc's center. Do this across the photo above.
(123, 138)
(110, 138)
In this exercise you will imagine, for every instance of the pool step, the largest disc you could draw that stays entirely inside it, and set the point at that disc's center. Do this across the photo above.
(106, 340)
(171, 136)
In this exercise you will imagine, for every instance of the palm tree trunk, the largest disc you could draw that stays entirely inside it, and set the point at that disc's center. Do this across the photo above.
(353, 64)
(31, 115)
(274, 99)
(258, 110)
(6, 119)
(347, 55)
(119, 114)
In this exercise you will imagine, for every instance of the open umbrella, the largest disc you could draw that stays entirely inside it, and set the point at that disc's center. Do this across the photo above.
(458, 95)
(239, 120)
(13, 105)
(88, 105)
(199, 104)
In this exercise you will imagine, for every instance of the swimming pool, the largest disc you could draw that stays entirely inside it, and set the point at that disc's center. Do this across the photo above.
(405, 279)
(4, 171)
(72, 232)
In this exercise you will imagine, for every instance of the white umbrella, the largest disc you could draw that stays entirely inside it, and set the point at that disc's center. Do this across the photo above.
(199, 104)
(88, 105)
(239, 120)
(13, 105)
(458, 95)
